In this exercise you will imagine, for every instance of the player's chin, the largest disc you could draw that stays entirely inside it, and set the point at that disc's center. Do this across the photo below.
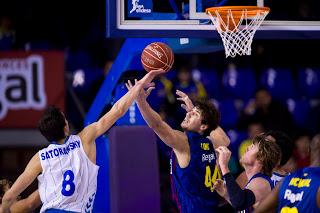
(184, 126)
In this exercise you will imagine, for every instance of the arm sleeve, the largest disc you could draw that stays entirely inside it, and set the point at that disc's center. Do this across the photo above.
(240, 198)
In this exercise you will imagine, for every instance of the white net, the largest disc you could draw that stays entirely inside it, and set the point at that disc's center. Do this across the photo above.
(237, 31)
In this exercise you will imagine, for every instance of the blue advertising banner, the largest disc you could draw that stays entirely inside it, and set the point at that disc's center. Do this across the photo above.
(139, 8)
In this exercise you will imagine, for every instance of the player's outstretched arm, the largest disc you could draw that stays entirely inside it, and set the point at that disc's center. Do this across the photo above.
(24, 180)
(218, 135)
(94, 130)
(28, 204)
(173, 138)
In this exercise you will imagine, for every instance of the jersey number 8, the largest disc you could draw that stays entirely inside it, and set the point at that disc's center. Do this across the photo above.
(68, 186)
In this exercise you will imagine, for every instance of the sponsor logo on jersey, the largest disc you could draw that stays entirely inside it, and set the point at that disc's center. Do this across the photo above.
(208, 157)
(300, 182)
(293, 197)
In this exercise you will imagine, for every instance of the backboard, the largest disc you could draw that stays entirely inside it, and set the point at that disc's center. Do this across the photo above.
(186, 18)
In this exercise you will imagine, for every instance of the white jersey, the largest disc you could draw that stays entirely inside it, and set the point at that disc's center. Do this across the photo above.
(69, 179)
(276, 177)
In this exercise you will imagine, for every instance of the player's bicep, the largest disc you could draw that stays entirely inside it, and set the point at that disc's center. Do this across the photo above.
(260, 187)
(89, 133)
(30, 173)
(173, 138)
(219, 137)
(270, 203)
(94, 130)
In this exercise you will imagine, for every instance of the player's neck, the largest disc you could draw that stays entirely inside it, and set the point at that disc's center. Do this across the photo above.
(251, 170)
(62, 141)
(280, 171)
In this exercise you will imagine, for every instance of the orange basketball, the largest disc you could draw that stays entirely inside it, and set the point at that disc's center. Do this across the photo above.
(157, 55)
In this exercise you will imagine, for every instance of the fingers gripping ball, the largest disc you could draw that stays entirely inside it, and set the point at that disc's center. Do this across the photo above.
(156, 56)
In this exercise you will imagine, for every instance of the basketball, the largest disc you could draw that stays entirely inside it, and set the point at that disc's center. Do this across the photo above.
(157, 55)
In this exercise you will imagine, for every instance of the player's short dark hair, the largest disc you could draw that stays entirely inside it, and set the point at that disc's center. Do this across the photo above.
(52, 123)
(269, 154)
(284, 142)
(210, 115)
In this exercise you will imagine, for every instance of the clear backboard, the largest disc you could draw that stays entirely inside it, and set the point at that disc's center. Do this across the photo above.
(187, 18)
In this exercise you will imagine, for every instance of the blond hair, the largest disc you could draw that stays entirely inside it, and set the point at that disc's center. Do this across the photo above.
(269, 154)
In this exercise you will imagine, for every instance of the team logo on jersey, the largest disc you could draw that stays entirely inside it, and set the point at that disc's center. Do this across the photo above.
(22, 84)
(89, 204)
(139, 8)
(205, 146)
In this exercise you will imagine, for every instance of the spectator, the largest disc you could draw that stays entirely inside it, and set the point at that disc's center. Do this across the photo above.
(302, 151)
(272, 114)
(186, 84)
(7, 33)
(254, 129)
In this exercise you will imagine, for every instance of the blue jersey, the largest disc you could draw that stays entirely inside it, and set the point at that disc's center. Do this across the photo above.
(192, 186)
(258, 175)
(298, 192)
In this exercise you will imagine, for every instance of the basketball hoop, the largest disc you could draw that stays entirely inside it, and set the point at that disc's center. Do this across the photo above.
(237, 26)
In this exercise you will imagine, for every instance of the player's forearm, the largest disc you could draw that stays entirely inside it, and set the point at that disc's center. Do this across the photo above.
(239, 199)
(28, 204)
(7, 200)
(152, 118)
(123, 104)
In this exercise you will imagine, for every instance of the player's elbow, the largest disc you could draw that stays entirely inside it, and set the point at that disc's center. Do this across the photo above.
(154, 125)
(8, 198)
(118, 110)
(226, 141)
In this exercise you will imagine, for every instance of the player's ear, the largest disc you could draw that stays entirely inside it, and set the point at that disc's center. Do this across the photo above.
(203, 127)
(66, 128)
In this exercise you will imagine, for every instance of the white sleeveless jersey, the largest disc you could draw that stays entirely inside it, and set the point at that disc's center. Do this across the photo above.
(69, 179)
(276, 178)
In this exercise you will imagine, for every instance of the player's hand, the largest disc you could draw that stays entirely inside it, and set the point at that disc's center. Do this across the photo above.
(150, 76)
(220, 187)
(187, 103)
(224, 155)
(144, 92)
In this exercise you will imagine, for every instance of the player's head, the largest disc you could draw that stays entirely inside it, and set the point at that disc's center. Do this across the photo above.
(5, 185)
(262, 153)
(203, 118)
(53, 124)
(284, 142)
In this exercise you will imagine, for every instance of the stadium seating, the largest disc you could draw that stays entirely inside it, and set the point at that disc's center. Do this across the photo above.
(211, 82)
(279, 82)
(300, 111)
(309, 82)
(239, 83)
